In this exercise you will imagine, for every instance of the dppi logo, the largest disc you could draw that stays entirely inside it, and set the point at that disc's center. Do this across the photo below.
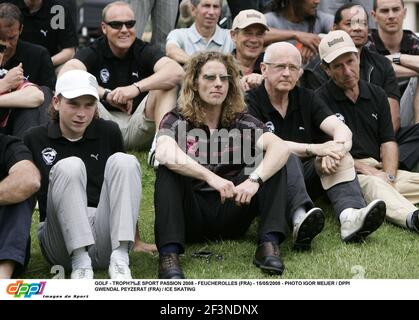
(27, 290)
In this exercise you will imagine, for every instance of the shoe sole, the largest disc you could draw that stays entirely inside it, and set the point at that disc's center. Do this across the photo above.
(373, 220)
(269, 270)
(308, 230)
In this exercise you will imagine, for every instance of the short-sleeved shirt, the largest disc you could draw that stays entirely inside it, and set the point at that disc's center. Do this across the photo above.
(374, 68)
(12, 151)
(225, 151)
(190, 41)
(42, 27)
(323, 23)
(302, 121)
(112, 72)
(101, 139)
(369, 118)
(37, 64)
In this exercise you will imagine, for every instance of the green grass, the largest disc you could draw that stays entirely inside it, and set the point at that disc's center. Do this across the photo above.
(389, 253)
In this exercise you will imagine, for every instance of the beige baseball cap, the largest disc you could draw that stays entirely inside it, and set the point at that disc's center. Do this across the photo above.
(334, 44)
(75, 83)
(346, 172)
(248, 17)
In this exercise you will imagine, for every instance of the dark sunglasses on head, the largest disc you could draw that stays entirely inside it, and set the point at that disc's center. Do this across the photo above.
(118, 24)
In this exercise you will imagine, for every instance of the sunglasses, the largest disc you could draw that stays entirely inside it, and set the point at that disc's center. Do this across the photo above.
(213, 77)
(117, 25)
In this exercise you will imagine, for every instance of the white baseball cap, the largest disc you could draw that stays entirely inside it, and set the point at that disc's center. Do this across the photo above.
(248, 17)
(76, 83)
(334, 44)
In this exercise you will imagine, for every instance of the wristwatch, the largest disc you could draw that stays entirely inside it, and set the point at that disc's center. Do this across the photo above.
(391, 178)
(254, 177)
(396, 58)
(105, 94)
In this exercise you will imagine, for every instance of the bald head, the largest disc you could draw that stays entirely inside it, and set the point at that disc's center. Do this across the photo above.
(280, 49)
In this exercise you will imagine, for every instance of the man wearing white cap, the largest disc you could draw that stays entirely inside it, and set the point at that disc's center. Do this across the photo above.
(247, 33)
(297, 116)
(364, 108)
(90, 189)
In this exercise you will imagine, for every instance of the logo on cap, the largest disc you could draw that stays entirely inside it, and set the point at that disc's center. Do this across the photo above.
(335, 41)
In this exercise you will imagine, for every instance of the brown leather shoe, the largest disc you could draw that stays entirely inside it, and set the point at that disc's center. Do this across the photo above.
(169, 267)
(267, 258)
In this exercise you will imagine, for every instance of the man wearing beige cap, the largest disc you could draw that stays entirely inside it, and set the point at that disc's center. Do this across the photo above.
(90, 189)
(301, 119)
(247, 33)
(364, 108)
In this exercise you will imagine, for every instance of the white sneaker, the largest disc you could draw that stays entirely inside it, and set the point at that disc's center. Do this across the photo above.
(82, 273)
(309, 227)
(362, 222)
(119, 270)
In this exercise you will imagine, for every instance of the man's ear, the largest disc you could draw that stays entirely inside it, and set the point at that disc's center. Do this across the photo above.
(55, 103)
(263, 69)
(325, 68)
(103, 26)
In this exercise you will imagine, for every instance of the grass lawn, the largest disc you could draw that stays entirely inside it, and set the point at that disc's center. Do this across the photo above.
(389, 253)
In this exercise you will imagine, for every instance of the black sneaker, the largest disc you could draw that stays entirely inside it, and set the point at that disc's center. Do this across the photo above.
(415, 221)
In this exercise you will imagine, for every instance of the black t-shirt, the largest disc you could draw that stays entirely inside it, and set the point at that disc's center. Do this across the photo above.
(37, 64)
(112, 72)
(12, 151)
(44, 28)
(374, 68)
(369, 118)
(302, 121)
(101, 139)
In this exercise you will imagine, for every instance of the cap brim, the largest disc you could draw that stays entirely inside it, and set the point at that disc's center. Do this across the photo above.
(71, 94)
(344, 175)
(245, 25)
(338, 52)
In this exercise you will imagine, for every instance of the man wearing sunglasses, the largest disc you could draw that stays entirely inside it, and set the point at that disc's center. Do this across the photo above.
(137, 83)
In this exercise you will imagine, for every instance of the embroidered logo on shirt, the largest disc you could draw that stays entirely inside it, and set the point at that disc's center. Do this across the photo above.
(49, 155)
(270, 126)
(340, 117)
(135, 74)
(104, 75)
(96, 156)
(301, 128)
(375, 115)
(43, 32)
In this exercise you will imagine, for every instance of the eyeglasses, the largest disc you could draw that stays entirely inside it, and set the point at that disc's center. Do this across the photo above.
(213, 77)
(280, 67)
(117, 25)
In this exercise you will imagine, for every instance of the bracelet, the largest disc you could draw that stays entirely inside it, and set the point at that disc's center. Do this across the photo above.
(308, 151)
(138, 87)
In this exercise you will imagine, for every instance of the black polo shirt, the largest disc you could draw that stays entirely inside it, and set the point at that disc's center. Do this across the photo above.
(112, 72)
(37, 64)
(374, 68)
(226, 153)
(101, 139)
(38, 27)
(409, 44)
(369, 118)
(302, 121)
(12, 151)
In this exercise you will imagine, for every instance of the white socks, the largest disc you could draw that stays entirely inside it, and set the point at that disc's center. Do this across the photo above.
(80, 259)
(120, 254)
(298, 215)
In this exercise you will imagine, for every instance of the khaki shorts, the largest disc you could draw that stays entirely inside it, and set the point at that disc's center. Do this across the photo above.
(137, 130)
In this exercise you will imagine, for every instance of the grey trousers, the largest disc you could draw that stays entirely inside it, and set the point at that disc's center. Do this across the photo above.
(407, 115)
(163, 18)
(71, 224)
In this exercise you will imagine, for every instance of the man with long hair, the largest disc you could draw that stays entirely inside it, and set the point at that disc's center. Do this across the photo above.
(208, 185)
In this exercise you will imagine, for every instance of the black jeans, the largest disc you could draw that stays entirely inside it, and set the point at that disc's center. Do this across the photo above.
(187, 215)
(342, 196)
